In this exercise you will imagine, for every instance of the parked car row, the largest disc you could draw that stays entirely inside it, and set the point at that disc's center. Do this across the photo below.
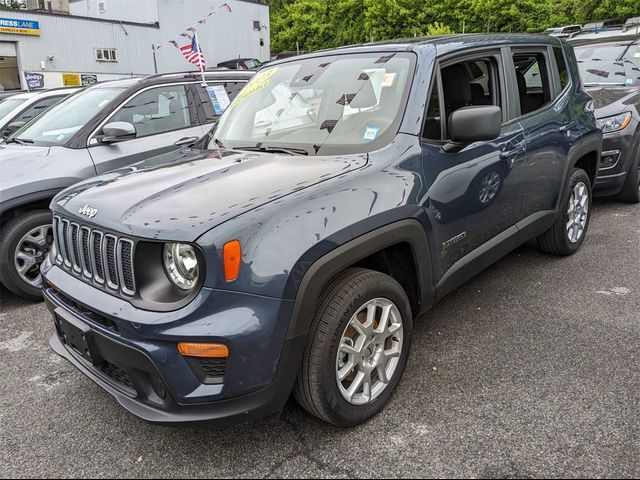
(102, 128)
(613, 27)
(203, 267)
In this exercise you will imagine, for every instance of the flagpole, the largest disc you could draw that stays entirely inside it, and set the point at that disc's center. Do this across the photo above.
(204, 83)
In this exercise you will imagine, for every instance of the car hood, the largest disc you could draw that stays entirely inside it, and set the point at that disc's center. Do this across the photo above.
(20, 164)
(184, 198)
(613, 100)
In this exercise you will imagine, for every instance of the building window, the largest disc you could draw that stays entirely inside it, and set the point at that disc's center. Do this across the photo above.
(256, 25)
(106, 55)
(101, 8)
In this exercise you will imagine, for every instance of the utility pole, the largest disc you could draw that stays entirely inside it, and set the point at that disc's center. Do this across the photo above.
(464, 25)
(489, 22)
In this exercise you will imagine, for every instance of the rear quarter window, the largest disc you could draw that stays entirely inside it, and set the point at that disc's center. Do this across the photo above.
(562, 67)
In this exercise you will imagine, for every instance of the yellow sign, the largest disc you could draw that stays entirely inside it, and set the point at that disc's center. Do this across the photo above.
(71, 79)
(21, 27)
(257, 83)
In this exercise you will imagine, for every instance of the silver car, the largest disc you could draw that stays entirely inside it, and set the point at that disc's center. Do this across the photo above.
(101, 128)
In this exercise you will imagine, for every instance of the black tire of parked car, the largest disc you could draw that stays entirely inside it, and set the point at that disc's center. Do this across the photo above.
(555, 240)
(12, 233)
(630, 192)
(316, 388)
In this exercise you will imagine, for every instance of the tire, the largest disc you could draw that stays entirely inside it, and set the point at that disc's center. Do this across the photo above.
(630, 192)
(557, 239)
(11, 238)
(317, 387)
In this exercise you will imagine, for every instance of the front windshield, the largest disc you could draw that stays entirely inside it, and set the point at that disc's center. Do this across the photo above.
(9, 104)
(59, 124)
(323, 105)
(609, 63)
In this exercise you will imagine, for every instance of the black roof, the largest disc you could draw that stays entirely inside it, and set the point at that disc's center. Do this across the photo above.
(443, 43)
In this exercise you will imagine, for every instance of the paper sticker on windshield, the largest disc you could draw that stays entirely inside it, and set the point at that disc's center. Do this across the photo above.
(257, 83)
(219, 98)
(388, 79)
(370, 134)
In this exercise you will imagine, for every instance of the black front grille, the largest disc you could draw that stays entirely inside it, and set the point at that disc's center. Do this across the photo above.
(126, 253)
(74, 247)
(97, 256)
(112, 268)
(116, 373)
(85, 233)
(210, 371)
(213, 367)
(101, 257)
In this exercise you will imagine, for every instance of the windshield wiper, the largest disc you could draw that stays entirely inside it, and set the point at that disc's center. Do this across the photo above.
(21, 141)
(274, 149)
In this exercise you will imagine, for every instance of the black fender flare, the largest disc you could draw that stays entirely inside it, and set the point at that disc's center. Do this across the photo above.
(320, 273)
(27, 199)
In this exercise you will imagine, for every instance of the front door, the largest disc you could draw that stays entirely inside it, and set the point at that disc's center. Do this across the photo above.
(473, 194)
(161, 115)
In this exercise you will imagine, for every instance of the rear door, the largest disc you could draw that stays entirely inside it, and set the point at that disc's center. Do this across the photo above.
(543, 111)
(161, 115)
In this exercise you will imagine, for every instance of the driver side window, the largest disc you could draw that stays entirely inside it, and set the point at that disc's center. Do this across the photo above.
(157, 110)
(464, 84)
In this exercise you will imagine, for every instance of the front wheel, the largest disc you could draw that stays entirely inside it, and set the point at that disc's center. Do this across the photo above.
(357, 349)
(24, 244)
(567, 234)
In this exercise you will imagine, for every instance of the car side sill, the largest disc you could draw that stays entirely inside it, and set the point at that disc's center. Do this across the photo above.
(489, 253)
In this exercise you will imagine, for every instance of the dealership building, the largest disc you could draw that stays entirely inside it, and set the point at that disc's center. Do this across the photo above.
(74, 42)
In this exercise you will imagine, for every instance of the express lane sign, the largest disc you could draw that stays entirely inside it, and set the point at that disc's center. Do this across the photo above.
(20, 27)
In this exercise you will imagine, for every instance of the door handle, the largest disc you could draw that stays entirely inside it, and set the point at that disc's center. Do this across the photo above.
(511, 152)
(567, 127)
(185, 141)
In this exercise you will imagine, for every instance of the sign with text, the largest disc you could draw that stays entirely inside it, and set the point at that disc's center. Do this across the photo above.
(71, 79)
(89, 79)
(20, 27)
(34, 81)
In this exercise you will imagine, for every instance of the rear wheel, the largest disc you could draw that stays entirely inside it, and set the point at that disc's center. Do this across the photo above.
(357, 349)
(24, 244)
(630, 192)
(566, 236)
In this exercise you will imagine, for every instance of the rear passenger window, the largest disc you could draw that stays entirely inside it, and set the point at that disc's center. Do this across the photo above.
(562, 67)
(533, 81)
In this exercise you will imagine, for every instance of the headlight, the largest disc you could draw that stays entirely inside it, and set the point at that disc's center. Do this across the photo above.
(614, 123)
(181, 265)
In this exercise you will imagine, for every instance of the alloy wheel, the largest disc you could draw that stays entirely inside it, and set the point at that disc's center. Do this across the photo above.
(369, 351)
(31, 251)
(578, 212)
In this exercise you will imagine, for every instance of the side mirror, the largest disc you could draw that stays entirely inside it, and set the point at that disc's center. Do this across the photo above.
(473, 124)
(13, 127)
(117, 132)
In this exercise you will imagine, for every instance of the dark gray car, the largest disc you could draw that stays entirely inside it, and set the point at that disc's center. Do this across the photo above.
(106, 126)
(610, 70)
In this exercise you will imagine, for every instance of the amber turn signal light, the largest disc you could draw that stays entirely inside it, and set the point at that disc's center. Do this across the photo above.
(232, 255)
(203, 350)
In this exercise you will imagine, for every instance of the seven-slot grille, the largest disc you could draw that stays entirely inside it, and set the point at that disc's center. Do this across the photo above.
(101, 257)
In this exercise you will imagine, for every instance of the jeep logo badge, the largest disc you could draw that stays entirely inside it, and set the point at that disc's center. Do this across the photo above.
(88, 211)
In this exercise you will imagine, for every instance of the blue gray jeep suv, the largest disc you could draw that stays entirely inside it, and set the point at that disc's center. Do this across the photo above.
(341, 194)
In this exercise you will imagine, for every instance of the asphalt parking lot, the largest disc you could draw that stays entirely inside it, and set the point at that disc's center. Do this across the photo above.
(532, 369)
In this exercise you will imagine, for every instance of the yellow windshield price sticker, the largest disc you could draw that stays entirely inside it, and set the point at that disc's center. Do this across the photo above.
(257, 83)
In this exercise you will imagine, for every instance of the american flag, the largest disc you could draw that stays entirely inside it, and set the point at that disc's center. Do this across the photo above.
(193, 53)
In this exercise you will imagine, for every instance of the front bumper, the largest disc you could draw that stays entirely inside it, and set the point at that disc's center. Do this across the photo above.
(611, 178)
(135, 359)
